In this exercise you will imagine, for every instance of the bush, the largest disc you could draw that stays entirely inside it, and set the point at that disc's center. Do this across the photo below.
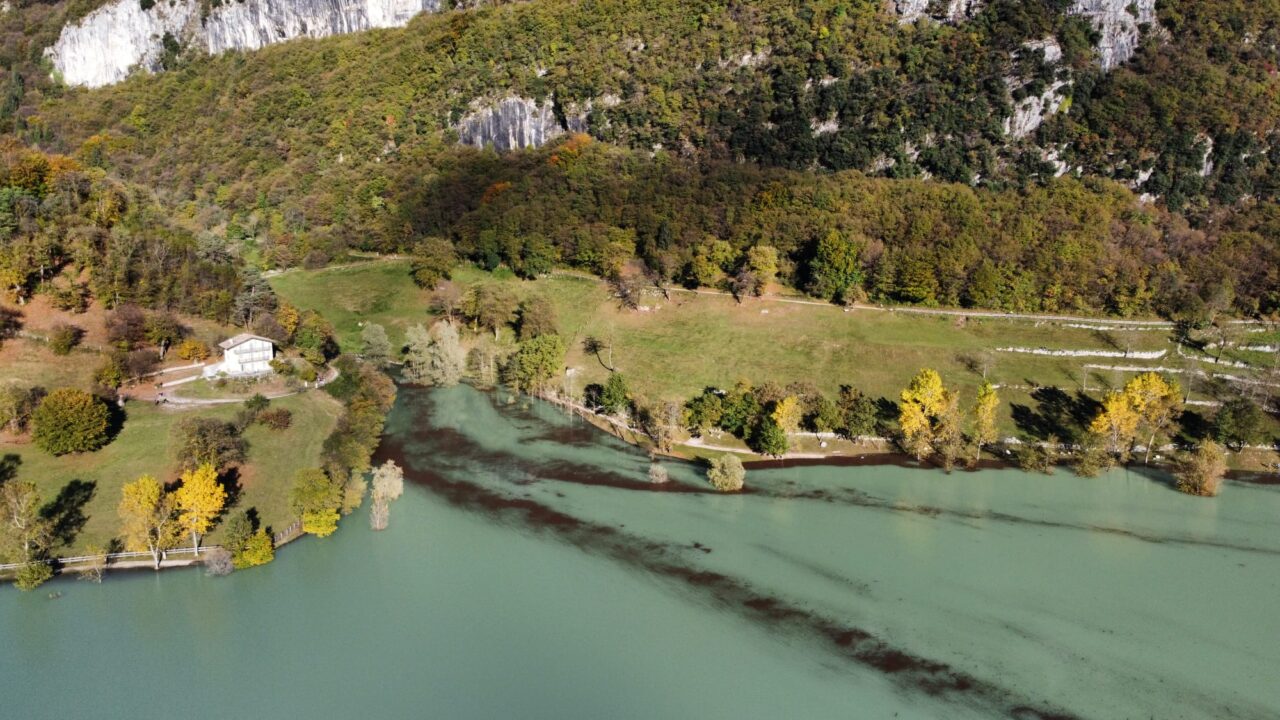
(202, 441)
(69, 420)
(111, 373)
(259, 549)
(193, 350)
(217, 562)
(64, 338)
(658, 474)
(276, 419)
(32, 576)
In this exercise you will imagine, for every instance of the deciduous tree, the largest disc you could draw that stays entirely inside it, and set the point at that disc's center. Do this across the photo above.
(1200, 472)
(984, 418)
(376, 344)
(69, 420)
(726, 473)
(388, 485)
(148, 517)
(316, 499)
(199, 500)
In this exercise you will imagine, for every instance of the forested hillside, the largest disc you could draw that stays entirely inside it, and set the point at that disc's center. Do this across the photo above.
(881, 155)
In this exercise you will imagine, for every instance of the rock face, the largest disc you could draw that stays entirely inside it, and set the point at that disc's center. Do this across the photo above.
(515, 122)
(1030, 113)
(952, 11)
(107, 44)
(1117, 22)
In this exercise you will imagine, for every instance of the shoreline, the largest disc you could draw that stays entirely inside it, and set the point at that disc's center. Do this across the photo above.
(886, 455)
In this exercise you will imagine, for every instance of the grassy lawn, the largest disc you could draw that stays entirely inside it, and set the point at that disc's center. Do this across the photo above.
(689, 341)
(27, 362)
(143, 447)
(380, 292)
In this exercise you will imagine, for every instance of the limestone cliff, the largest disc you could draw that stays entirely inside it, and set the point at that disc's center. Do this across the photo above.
(109, 43)
(515, 122)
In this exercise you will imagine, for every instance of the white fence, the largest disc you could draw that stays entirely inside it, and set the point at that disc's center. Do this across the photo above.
(164, 555)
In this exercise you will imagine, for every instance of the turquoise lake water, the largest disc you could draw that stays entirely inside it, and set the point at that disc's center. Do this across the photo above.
(531, 571)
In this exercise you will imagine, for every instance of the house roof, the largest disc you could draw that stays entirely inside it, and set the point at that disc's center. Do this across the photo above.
(241, 339)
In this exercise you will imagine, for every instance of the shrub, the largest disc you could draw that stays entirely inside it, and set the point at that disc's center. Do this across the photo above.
(69, 420)
(208, 441)
(218, 562)
(259, 549)
(32, 575)
(64, 338)
(1201, 472)
(193, 350)
(658, 474)
(111, 373)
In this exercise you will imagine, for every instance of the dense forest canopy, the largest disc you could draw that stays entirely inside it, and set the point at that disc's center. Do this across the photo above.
(871, 154)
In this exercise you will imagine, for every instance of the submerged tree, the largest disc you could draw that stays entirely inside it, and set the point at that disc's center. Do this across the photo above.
(388, 484)
(1200, 472)
(726, 473)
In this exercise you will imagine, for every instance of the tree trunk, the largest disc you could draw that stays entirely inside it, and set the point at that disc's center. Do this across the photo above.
(1150, 442)
(155, 556)
(195, 543)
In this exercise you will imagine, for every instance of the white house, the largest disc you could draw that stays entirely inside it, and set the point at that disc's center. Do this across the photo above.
(242, 356)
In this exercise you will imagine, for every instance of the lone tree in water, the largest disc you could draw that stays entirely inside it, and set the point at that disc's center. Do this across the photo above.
(445, 357)
(1200, 472)
(200, 501)
(388, 484)
(726, 473)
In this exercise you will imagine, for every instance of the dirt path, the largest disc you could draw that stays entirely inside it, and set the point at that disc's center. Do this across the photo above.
(181, 403)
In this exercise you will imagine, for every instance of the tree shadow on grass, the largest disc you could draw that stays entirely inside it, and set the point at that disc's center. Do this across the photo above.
(9, 467)
(1056, 414)
(235, 489)
(65, 513)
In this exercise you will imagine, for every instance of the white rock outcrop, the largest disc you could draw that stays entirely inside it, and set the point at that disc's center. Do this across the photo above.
(1030, 112)
(1117, 23)
(107, 44)
(513, 123)
(952, 11)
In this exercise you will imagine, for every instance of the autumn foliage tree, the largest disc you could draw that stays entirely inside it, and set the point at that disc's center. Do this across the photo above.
(148, 517)
(923, 405)
(316, 499)
(984, 418)
(199, 501)
(69, 420)
(1200, 472)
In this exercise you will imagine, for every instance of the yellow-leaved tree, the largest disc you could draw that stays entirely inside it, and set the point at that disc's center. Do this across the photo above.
(924, 402)
(147, 517)
(200, 500)
(1158, 403)
(984, 418)
(788, 414)
(1116, 423)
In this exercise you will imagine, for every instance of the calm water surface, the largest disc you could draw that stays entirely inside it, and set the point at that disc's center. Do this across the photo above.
(530, 571)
